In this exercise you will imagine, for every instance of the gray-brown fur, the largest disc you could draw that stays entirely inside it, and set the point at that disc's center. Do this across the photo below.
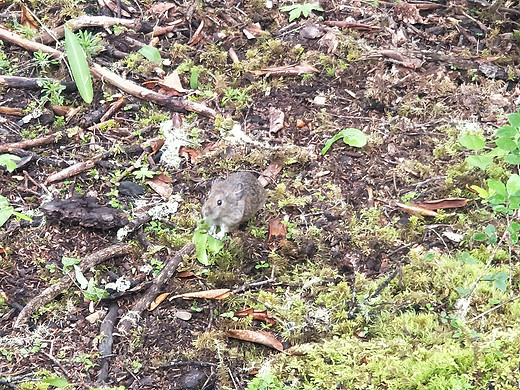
(232, 201)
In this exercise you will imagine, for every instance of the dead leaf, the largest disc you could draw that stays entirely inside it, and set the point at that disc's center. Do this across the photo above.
(27, 18)
(155, 144)
(11, 111)
(261, 315)
(187, 274)
(197, 36)
(158, 9)
(276, 118)
(160, 187)
(172, 83)
(351, 25)
(270, 173)
(220, 293)
(259, 337)
(276, 229)
(300, 123)
(157, 301)
(401, 59)
(192, 155)
(407, 13)
(289, 70)
(441, 204)
(253, 30)
(416, 210)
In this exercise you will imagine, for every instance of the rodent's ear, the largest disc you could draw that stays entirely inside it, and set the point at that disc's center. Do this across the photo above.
(239, 190)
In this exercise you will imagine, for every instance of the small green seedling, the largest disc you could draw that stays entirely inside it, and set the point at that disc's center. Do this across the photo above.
(351, 136)
(298, 10)
(6, 211)
(205, 243)
(9, 161)
(151, 53)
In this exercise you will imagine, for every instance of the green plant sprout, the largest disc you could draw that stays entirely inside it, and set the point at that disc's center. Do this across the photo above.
(7, 211)
(89, 42)
(52, 91)
(351, 136)
(44, 60)
(298, 10)
(9, 161)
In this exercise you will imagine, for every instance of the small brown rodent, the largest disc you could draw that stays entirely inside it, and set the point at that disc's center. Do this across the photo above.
(232, 201)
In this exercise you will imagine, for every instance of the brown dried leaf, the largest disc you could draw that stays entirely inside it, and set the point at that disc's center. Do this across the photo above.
(260, 337)
(416, 210)
(276, 118)
(190, 154)
(407, 12)
(160, 187)
(172, 82)
(276, 229)
(447, 203)
(220, 293)
(270, 173)
(158, 9)
(261, 315)
(27, 19)
(197, 36)
(186, 274)
(157, 301)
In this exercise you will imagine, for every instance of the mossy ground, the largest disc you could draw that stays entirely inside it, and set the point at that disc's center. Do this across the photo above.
(367, 296)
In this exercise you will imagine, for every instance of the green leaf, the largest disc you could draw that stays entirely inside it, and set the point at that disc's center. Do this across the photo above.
(501, 285)
(194, 78)
(473, 142)
(151, 53)
(480, 237)
(497, 187)
(506, 144)
(513, 184)
(214, 245)
(329, 143)
(480, 191)
(297, 10)
(200, 239)
(512, 158)
(506, 131)
(465, 257)
(429, 257)
(8, 160)
(514, 120)
(56, 382)
(6, 210)
(78, 66)
(351, 136)
(69, 262)
(481, 162)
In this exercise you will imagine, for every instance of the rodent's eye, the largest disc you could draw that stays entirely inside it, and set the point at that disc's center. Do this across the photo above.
(219, 202)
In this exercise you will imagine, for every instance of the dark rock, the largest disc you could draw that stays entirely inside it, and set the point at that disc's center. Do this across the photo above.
(192, 379)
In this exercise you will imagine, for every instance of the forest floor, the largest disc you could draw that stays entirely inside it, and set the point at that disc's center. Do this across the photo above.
(347, 278)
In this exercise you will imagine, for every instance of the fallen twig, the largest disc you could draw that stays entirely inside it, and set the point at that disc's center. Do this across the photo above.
(131, 318)
(29, 143)
(52, 291)
(105, 345)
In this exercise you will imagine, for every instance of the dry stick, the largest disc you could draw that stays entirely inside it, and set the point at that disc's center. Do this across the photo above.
(9, 36)
(175, 104)
(172, 103)
(131, 318)
(51, 292)
(89, 21)
(29, 143)
(106, 331)
(32, 83)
